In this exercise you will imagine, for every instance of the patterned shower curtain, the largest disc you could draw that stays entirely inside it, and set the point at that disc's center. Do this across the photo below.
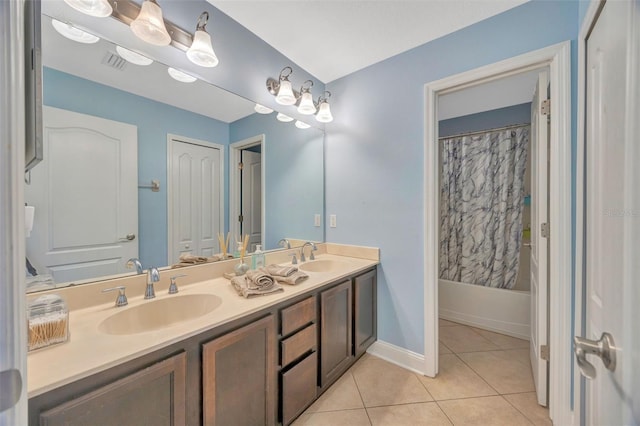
(481, 200)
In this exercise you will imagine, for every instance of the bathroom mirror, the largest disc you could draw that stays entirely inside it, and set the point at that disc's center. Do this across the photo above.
(92, 80)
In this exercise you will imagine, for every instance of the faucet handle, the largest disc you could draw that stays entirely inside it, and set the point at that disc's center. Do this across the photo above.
(121, 300)
(173, 287)
(294, 261)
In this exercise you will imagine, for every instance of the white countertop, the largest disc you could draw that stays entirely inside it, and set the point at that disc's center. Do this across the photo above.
(90, 351)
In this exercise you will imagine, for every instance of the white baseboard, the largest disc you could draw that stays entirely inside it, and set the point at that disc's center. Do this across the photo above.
(398, 356)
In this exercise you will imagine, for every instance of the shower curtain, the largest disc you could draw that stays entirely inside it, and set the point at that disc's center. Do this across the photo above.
(481, 199)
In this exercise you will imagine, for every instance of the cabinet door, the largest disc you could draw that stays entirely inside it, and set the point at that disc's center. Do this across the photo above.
(335, 332)
(364, 312)
(154, 396)
(239, 376)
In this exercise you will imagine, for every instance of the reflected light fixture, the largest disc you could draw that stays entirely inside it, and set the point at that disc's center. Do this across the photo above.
(284, 118)
(97, 8)
(149, 25)
(133, 57)
(261, 109)
(306, 105)
(73, 33)
(324, 111)
(201, 52)
(302, 125)
(180, 76)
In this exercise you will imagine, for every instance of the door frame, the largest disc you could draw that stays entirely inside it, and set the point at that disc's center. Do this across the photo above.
(173, 137)
(558, 58)
(234, 182)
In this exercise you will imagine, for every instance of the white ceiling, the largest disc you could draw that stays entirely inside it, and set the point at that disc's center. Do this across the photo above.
(333, 38)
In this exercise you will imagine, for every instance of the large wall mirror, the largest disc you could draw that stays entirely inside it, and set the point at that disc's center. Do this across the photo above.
(138, 164)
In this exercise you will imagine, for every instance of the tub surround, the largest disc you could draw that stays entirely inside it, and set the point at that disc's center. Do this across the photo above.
(90, 351)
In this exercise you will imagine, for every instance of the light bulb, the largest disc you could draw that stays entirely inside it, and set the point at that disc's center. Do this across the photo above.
(201, 52)
(324, 113)
(149, 25)
(73, 33)
(302, 125)
(133, 57)
(97, 8)
(285, 94)
(261, 109)
(284, 118)
(306, 106)
(180, 76)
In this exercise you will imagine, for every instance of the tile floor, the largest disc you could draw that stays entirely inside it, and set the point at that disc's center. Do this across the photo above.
(485, 379)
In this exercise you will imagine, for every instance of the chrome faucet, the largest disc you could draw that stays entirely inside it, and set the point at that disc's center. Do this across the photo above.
(134, 261)
(153, 276)
(284, 243)
(313, 248)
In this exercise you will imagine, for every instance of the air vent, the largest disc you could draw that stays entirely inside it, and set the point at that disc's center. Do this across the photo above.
(114, 61)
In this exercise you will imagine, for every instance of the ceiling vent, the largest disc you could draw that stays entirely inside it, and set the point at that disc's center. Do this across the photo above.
(113, 60)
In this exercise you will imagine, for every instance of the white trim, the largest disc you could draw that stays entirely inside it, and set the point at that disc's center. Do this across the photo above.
(557, 57)
(396, 355)
(177, 138)
(234, 179)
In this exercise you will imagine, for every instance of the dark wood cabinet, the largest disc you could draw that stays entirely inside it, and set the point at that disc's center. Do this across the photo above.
(154, 396)
(335, 332)
(239, 376)
(364, 312)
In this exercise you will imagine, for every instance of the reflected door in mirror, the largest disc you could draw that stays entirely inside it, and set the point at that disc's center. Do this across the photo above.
(251, 189)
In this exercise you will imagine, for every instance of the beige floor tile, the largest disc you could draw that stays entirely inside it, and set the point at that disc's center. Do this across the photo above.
(489, 410)
(342, 395)
(443, 349)
(502, 340)
(506, 371)
(445, 323)
(383, 383)
(527, 403)
(426, 413)
(455, 380)
(334, 418)
(463, 339)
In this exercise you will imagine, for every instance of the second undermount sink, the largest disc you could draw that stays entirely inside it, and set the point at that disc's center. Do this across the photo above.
(158, 314)
(322, 265)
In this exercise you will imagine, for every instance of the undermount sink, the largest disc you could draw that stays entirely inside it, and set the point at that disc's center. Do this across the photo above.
(159, 314)
(322, 265)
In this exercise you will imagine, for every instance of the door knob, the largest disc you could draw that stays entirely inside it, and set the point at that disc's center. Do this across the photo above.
(129, 237)
(603, 348)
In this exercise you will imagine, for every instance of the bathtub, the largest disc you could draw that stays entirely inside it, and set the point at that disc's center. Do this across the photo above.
(494, 309)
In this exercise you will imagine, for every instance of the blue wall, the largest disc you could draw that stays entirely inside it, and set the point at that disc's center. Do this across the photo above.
(516, 114)
(374, 153)
(154, 120)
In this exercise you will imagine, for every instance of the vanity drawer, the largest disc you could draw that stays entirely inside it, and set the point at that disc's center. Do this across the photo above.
(297, 345)
(299, 387)
(297, 316)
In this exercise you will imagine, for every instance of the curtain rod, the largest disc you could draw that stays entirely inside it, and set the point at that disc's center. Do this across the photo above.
(479, 132)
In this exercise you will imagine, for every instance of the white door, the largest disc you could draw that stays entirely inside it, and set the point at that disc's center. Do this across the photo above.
(539, 247)
(195, 206)
(251, 197)
(612, 213)
(93, 160)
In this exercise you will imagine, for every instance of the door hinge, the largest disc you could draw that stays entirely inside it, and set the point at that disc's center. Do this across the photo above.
(544, 230)
(240, 166)
(240, 218)
(544, 352)
(545, 108)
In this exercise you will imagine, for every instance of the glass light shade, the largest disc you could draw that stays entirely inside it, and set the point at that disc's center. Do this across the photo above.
(201, 52)
(285, 94)
(302, 125)
(73, 33)
(133, 57)
(261, 109)
(180, 76)
(284, 118)
(149, 25)
(306, 106)
(97, 8)
(324, 113)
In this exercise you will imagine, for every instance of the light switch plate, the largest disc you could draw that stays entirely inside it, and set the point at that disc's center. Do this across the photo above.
(332, 221)
(317, 220)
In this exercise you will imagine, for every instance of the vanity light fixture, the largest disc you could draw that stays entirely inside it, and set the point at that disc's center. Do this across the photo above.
(201, 52)
(180, 76)
(324, 111)
(282, 88)
(97, 8)
(306, 105)
(302, 125)
(149, 25)
(73, 33)
(261, 109)
(133, 57)
(284, 118)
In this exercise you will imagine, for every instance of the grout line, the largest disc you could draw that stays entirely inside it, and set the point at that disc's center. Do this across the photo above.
(517, 409)
(445, 413)
(478, 374)
(361, 398)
